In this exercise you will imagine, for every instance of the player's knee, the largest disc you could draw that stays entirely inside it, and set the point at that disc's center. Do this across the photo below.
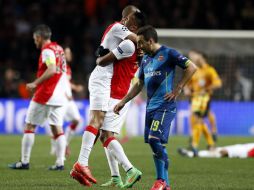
(156, 147)
(103, 137)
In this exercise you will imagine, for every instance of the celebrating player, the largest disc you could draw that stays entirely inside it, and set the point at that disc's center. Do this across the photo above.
(125, 60)
(102, 94)
(230, 151)
(200, 88)
(48, 100)
(157, 73)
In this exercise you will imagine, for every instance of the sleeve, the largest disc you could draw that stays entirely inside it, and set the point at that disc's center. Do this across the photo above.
(120, 31)
(125, 49)
(179, 59)
(215, 77)
(48, 57)
(141, 74)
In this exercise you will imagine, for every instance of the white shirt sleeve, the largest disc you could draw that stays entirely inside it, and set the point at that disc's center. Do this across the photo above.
(120, 31)
(125, 49)
(48, 56)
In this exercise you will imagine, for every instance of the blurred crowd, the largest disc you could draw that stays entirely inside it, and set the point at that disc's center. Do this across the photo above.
(80, 24)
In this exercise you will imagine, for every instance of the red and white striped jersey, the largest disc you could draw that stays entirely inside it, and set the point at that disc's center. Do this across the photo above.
(50, 91)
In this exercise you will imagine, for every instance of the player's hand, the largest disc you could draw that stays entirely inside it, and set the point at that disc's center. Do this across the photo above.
(173, 95)
(101, 51)
(118, 107)
(31, 86)
(79, 88)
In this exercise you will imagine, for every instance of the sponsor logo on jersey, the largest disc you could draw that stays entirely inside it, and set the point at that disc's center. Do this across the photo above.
(124, 28)
(152, 74)
(160, 58)
(120, 50)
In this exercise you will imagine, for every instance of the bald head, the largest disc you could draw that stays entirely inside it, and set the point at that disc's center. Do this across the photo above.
(127, 11)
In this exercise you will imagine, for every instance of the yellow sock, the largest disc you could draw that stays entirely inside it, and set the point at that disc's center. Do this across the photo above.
(207, 135)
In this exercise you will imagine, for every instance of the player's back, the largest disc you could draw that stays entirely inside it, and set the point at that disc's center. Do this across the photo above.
(100, 79)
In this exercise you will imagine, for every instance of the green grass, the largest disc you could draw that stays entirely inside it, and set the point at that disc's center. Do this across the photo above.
(185, 174)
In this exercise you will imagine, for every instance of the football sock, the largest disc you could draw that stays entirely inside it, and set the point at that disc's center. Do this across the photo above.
(196, 133)
(26, 146)
(60, 149)
(207, 135)
(166, 166)
(69, 133)
(87, 144)
(115, 148)
(112, 162)
(159, 157)
(53, 146)
(212, 121)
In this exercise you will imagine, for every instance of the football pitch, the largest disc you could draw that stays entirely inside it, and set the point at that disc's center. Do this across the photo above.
(185, 173)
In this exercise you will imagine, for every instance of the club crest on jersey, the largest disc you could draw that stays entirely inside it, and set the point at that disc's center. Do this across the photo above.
(160, 58)
(124, 28)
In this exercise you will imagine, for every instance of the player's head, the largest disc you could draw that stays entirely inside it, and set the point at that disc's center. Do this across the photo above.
(129, 9)
(197, 57)
(68, 54)
(147, 37)
(41, 34)
(135, 20)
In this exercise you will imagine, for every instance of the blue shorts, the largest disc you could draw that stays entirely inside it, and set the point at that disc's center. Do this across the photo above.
(158, 122)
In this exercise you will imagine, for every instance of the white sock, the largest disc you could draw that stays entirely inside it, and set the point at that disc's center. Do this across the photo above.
(116, 149)
(69, 133)
(60, 150)
(209, 154)
(112, 162)
(53, 146)
(26, 147)
(87, 145)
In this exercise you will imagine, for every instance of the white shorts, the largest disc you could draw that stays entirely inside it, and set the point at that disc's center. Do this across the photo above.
(99, 88)
(72, 112)
(37, 114)
(113, 122)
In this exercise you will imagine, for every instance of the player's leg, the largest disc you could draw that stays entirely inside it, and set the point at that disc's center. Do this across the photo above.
(36, 115)
(88, 139)
(158, 130)
(212, 121)
(55, 121)
(115, 180)
(72, 114)
(196, 132)
(112, 124)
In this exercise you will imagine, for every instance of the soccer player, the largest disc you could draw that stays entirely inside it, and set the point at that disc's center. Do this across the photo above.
(101, 81)
(48, 100)
(125, 63)
(157, 73)
(72, 114)
(200, 88)
(230, 151)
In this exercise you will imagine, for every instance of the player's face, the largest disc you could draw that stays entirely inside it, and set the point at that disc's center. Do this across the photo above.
(68, 55)
(37, 41)
(130, 22)
(195, 57)
(144, 45)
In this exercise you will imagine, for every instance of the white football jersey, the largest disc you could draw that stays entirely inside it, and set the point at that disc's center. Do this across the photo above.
(100, 79)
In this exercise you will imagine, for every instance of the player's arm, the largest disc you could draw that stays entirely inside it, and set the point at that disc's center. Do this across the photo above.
(187, 74)
(48, 57)
(125, 49)
(135, 90)
(215, 81)
(77, 87)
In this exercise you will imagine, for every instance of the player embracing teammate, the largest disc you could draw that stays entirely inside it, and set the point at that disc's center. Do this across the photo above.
(108, 83)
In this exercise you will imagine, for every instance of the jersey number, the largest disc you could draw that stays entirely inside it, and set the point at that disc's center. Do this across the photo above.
(155, 125)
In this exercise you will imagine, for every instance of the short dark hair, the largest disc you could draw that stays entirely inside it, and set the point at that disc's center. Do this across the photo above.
(140, 18)
(43, 30)
(148, 32)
